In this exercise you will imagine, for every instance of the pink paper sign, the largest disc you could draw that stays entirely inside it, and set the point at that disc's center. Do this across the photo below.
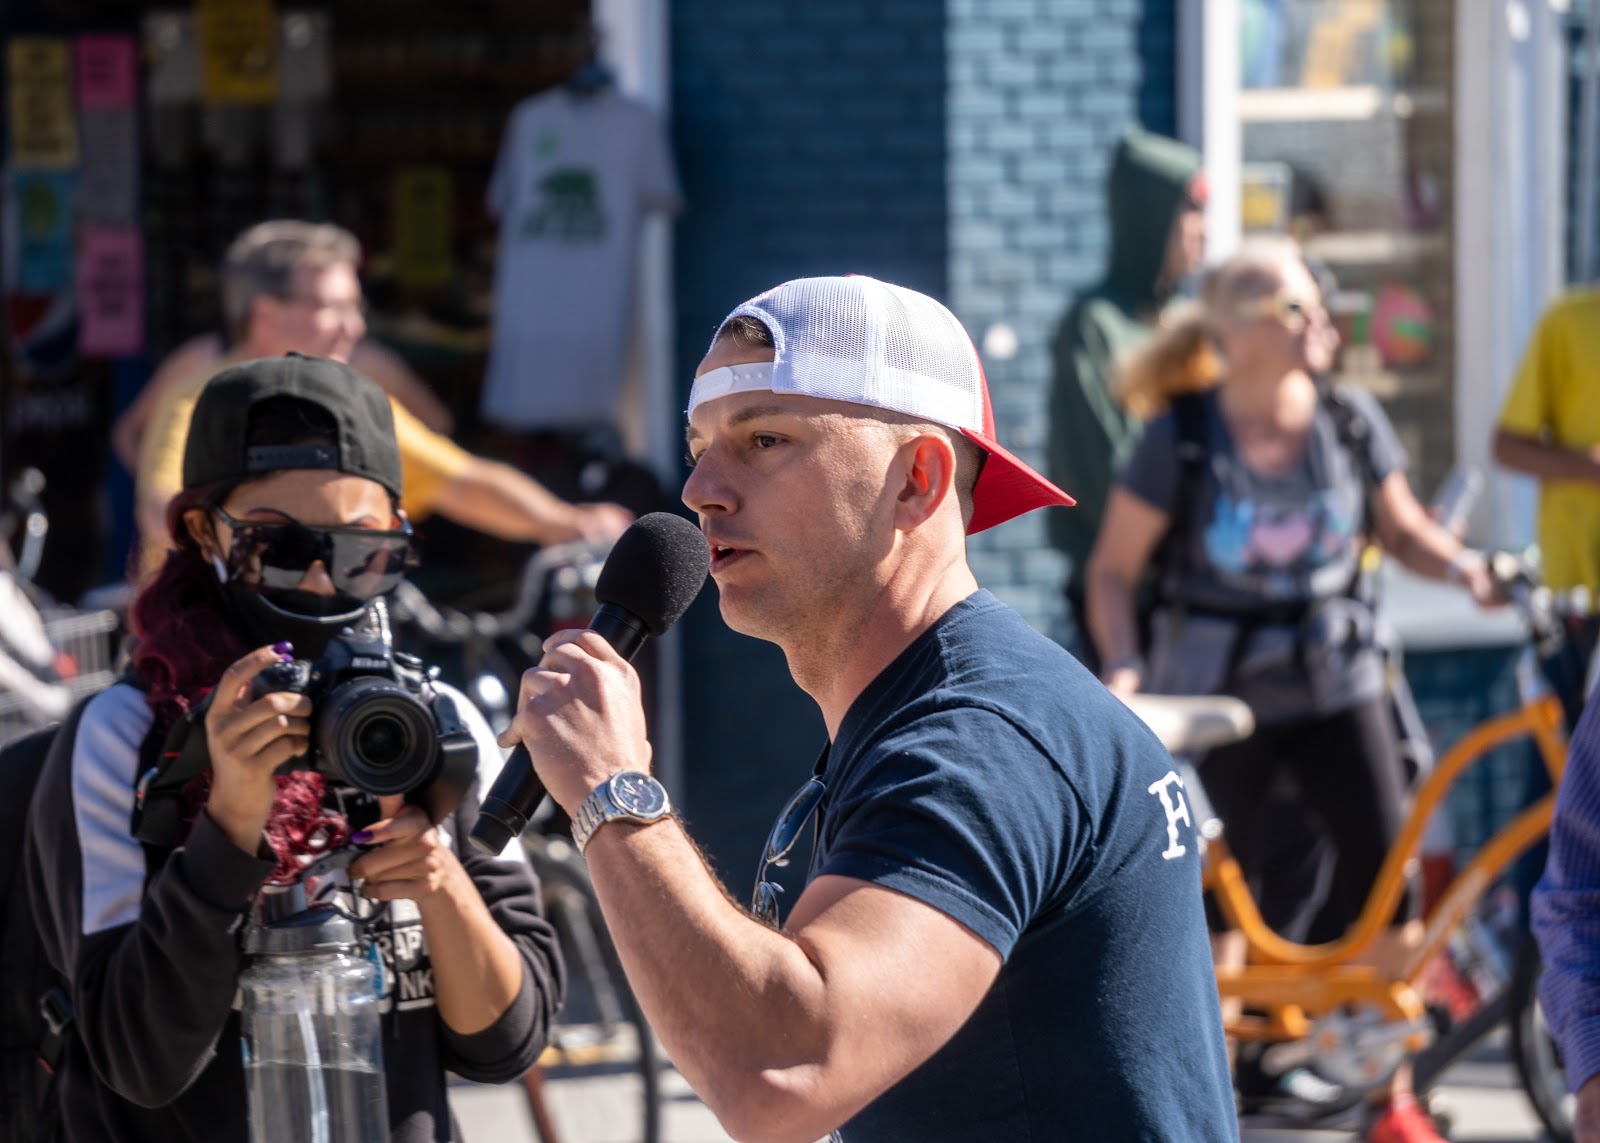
(107, 71)
(110, 291)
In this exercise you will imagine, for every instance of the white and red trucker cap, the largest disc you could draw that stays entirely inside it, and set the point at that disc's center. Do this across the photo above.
(871, 343)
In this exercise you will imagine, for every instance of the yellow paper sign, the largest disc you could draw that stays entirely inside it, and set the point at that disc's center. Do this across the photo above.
(423, 234)
(44, 135)
(238, 50)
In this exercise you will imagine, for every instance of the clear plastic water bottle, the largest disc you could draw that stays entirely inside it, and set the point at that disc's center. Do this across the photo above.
(313, 1046)
(1452, 507)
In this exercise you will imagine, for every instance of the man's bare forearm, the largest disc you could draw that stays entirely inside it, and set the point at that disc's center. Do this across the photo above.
(497, 499)
(739, 1007)
(1545, 459)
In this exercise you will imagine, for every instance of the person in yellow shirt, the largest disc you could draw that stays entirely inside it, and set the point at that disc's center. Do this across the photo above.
(1549, 428)
(290, 286)
(203, 354)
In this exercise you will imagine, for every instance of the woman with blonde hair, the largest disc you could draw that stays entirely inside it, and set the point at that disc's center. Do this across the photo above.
(1260, 588)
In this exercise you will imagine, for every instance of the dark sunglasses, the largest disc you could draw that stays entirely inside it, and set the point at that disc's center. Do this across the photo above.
(362, 562)
(786, 831)
(1292, 311)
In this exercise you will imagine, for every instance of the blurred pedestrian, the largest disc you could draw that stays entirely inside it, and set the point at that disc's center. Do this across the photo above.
(207, 353)
(1549, 428)
(291, 286)
(1155, 195)
(1260, 494)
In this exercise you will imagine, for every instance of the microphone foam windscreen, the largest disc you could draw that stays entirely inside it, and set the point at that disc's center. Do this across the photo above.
(655, 570)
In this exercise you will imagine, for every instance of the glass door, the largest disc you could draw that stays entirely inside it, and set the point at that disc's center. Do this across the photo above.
(1346, 143)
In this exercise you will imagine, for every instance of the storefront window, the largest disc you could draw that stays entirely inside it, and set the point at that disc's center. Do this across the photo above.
(1347, 127)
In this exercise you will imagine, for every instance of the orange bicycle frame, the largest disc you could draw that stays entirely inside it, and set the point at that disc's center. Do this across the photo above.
(1292, 982)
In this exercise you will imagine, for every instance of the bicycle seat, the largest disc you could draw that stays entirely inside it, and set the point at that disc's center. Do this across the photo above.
(1187, 724)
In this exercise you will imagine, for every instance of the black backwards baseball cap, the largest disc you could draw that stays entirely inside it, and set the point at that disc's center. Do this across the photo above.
(219, 431)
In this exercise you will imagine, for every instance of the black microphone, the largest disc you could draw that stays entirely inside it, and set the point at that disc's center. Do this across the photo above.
(652, 575)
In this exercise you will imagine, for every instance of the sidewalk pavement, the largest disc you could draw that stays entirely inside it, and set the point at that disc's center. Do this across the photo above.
(1481, 1094)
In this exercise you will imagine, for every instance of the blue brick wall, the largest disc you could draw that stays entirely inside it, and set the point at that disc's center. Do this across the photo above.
(1158, 55)
(810, 136)
(1040, 90)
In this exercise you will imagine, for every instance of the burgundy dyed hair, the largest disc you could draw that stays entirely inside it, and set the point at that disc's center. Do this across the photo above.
(184, 641)
(180, 621)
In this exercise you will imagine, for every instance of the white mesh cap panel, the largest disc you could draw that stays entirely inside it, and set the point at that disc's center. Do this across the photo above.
(861, 340)
(864, 341)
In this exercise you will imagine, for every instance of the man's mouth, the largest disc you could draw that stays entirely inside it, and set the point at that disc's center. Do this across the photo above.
(724, 554)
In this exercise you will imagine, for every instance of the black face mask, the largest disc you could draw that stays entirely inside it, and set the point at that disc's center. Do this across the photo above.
(303, 618)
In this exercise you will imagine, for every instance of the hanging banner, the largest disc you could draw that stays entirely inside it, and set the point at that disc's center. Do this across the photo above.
(423, 232)
(43, 134)
(107, 72)
(110, 291)
(108, 190)
(238, 50)
(43, 204)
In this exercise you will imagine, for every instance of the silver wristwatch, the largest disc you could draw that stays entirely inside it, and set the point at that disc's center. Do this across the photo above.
(628, 794)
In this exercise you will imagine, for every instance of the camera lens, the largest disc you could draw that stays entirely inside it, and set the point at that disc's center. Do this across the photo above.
(382, 741)
(378, 736)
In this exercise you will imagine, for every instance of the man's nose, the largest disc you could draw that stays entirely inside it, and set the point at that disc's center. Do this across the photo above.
(707, 489)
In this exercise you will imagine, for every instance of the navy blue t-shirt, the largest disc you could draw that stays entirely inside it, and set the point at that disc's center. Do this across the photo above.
(990, 776)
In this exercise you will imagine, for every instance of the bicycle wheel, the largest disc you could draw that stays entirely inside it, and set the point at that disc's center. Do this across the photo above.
(1537, 1059)
(603, 1064)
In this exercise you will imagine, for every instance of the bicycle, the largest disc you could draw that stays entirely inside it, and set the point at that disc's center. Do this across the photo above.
(600, 1030)
(1355, 1025)
(51, 655)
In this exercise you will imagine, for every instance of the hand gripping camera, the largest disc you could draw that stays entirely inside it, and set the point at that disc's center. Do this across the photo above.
(378, 723)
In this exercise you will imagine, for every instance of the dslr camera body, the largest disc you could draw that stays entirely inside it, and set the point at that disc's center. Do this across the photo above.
(379, 723)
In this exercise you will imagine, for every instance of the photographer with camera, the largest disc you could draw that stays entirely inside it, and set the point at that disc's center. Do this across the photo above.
(268, 746)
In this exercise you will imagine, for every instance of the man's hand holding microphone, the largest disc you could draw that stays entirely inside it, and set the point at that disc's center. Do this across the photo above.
(580, 712)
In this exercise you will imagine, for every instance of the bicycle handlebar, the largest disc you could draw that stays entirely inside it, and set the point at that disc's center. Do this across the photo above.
(1543, 610)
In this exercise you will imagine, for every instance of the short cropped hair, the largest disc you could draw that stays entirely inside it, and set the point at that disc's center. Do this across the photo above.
(749, 332)
(264, 261)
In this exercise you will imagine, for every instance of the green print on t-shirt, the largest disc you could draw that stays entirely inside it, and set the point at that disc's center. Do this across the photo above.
(568, 207)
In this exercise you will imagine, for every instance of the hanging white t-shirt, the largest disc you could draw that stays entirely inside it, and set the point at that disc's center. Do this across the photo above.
(575, 177)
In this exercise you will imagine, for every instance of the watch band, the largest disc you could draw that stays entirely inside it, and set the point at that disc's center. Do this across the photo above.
(601, 807)
(597, 809)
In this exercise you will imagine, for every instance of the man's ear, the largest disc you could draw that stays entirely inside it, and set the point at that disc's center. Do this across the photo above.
(927, 465)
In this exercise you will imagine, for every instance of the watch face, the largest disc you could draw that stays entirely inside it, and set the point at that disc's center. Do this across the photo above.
(638, 794)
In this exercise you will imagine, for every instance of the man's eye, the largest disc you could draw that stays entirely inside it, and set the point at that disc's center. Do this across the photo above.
(690, 458)
(764, 440)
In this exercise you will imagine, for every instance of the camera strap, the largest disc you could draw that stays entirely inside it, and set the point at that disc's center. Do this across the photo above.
(166, 765)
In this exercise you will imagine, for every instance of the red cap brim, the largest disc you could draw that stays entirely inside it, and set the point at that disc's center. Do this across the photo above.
(1007, 488)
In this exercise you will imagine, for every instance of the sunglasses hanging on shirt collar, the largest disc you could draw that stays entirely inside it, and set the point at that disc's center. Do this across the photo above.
(362, 562)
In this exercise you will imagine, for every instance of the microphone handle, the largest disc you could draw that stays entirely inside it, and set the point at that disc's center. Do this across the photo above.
(517, 792)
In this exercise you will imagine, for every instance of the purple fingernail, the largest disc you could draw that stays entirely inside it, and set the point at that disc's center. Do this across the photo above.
(283, 648)
(361, 836)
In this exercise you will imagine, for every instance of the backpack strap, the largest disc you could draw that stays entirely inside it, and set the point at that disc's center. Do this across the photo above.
(1354, 433)
(1194, 453)
(168, 761)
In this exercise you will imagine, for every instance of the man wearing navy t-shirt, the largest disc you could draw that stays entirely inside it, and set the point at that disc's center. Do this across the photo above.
(1001, 937)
